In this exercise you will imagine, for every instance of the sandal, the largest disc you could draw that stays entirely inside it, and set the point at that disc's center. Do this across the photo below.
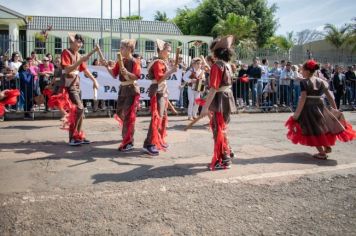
(328, 149)
(320, 156)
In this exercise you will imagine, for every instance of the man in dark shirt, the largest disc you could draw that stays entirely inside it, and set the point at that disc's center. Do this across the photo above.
(350, 77)
(254, 73)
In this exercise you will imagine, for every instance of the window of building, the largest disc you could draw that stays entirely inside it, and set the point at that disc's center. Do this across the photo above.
(115, 44)
(57, 45)
(40, 46)
(149, 46)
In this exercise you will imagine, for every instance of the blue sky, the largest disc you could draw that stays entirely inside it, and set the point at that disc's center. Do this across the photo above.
(293, 15)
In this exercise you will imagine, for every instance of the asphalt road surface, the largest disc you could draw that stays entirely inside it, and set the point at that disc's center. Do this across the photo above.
(273, 187)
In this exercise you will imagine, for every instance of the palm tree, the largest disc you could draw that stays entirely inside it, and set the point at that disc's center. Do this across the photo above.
(337, 37)
(351, 38)
(161, 16)
(241, 27)
(285, 42)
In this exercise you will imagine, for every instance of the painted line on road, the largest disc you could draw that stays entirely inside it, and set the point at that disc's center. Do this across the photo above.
(285, 173)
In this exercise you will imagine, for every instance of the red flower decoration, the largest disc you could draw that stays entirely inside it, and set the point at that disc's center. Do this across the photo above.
(311, 64)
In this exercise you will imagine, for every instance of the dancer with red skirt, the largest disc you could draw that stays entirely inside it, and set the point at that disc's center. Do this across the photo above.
(69, 100)
(314, 124)
(129, 93)
(158, 72)
(220, 102)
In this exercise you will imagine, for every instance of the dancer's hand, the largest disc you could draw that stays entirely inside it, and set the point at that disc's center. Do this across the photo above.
(104, 63)
(95, 84)
(124, 71)
(174, 69)
(97, 47)
(295, 116)
(204, 112)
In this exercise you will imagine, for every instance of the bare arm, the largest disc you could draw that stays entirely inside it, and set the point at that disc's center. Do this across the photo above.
(128, 74)
(110, 71)
(330, 99)
(71, 68)
(209, 99)
(90, 76)
(169, 73)
(302, 99)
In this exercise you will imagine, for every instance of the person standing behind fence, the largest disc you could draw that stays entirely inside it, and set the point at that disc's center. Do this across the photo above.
(284, 84)
(339, 85)
(192, 77)
(264, 78)
(45, 72)
(35, 61)
(15, 61)
(244, 85)
(350, 77)
(254, 72)
(36, 84)
(296, 85)
(274, 77)
(26, 87)
(129, 94)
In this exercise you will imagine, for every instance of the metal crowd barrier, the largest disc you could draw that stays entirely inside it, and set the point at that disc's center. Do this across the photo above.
(250, 96)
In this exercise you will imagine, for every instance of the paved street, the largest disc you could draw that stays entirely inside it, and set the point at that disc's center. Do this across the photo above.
(274, 187)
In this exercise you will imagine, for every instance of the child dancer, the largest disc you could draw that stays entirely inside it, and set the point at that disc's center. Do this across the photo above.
(313, 124)
(220, 102)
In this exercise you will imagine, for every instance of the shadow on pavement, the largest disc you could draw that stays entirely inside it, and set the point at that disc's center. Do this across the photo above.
(27, 127)
(143, 172)
(61, 150)
(295, 158)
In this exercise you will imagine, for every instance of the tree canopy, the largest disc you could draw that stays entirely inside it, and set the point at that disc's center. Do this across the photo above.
(203, 19)
(161, 16)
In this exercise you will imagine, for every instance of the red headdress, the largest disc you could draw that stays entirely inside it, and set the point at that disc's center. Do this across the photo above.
(311, 64)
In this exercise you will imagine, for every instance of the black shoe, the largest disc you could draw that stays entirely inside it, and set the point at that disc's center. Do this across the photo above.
(226, 162)
(151, 150)
(75, 142)
(232, 154)
(85, 141)
(126, 148)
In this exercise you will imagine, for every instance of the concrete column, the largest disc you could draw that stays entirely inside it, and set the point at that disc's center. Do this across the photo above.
(14, 37)
(185, 52)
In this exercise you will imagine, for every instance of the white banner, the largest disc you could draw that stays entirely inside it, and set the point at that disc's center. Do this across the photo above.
(108, 86)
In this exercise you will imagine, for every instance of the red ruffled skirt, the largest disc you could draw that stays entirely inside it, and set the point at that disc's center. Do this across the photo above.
(296, 135)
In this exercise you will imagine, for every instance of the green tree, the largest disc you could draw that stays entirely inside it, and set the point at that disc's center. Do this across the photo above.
(202, 19)
(183, 19)
(133, 17)
(242, 27)
(337, 37)
(161, 16)
(285, 43)
(351, 38)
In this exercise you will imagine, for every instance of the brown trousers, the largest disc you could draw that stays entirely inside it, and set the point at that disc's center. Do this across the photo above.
(122, 110)
(75, 98)
(162, 111)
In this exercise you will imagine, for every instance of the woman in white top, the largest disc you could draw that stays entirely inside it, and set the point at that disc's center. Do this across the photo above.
(15, 61)
(297, 77)
(192, 77)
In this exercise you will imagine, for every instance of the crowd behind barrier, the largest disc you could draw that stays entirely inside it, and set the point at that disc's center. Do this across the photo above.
(258, 85)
